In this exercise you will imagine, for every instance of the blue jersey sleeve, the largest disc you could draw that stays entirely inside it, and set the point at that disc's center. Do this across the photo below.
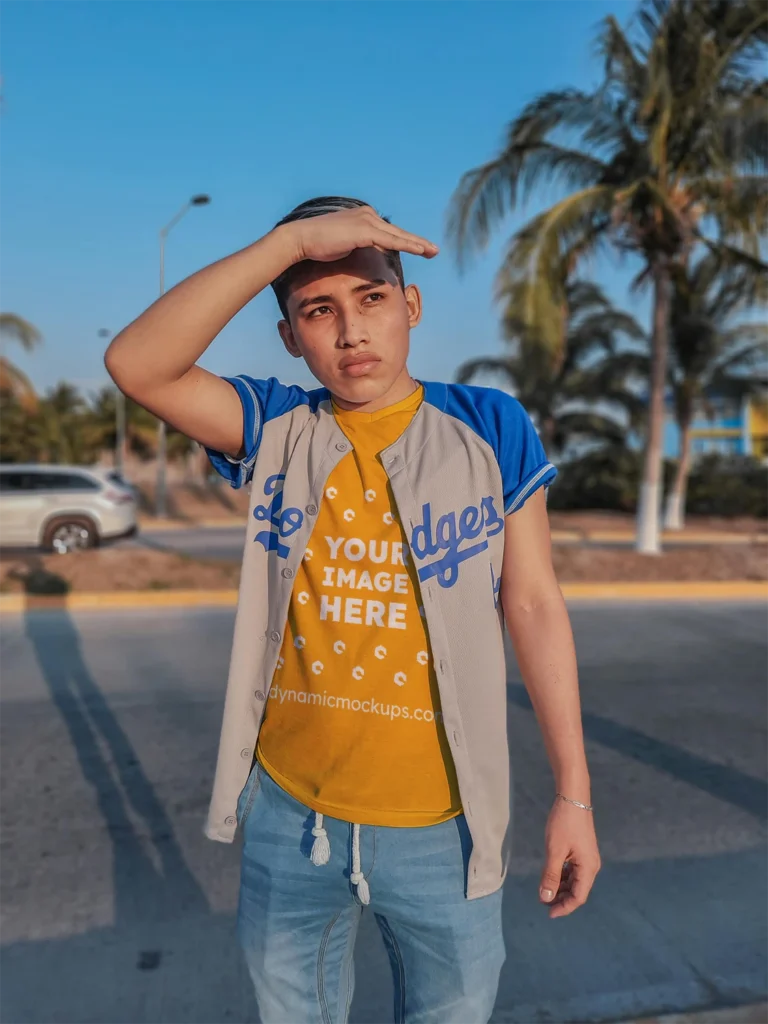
(522, 459)
(505, 425)
(262, 401)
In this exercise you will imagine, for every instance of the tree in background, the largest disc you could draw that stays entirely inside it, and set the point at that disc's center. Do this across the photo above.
(582, 391)
(140, 426)
(669, 152)
(12, 380)
(62, 416)
(63, 427)
(710, 350)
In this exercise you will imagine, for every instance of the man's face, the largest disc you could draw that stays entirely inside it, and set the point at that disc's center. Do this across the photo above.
(350, 320)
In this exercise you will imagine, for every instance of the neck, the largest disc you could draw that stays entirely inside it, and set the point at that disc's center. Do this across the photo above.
(403, 386)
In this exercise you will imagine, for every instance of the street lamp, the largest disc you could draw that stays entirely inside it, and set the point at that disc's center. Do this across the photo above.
(119, 419)
(160, 496)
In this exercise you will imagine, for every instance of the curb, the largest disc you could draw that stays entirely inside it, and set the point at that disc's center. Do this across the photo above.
(678, 539)
(754, 1013)
(160, 525)
(14, 603)
(677, 590)
(739, 590)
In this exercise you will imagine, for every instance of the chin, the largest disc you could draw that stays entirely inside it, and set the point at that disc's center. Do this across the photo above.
(363, 389)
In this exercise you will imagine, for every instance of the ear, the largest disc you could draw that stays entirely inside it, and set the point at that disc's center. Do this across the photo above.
(413, 302)
(286, 333)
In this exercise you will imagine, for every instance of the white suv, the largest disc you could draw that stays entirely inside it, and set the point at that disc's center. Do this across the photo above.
(64, 508)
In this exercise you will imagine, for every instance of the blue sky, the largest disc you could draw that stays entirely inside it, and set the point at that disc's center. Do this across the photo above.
(114, 113)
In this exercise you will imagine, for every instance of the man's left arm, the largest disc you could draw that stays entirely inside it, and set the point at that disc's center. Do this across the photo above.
(538, 623)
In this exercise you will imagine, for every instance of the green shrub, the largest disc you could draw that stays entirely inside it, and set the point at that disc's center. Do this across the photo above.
(721, 485)
(606, 478)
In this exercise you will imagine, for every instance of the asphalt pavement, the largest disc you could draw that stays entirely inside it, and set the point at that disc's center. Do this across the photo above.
(117, 909)
(225, 543)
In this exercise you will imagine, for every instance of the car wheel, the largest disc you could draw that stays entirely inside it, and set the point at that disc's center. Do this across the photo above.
(68, 534)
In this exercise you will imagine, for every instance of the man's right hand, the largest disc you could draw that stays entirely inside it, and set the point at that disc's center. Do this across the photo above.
(333, 236)
(154, 359)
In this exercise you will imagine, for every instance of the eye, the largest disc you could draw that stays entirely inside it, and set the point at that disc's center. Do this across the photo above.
(375, 295)
(319, 309)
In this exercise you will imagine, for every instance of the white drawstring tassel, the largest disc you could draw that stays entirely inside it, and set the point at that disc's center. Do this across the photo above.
(321, 848)
(357, 877)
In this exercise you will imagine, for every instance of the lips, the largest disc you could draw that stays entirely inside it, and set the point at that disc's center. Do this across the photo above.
(357, 366)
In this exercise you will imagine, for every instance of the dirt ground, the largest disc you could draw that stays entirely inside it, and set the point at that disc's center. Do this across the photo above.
(576, 564)
(586, 522)
(111, 569)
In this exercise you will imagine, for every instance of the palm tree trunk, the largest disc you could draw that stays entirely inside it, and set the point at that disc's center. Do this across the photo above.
(548, 427)
(674, 516)
(649, 505)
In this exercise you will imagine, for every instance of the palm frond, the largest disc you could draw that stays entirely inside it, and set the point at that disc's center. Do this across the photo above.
(744, 357)
(487, 365)
(621, 66)
(16, 383)
(533, 266)
(487, 193)
(20, 330)
(591, 425)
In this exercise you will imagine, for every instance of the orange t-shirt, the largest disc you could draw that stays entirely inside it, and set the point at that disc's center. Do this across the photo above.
(353, 725)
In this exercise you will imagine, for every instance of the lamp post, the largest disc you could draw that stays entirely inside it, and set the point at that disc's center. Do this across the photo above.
(161, 509)
(119, 419)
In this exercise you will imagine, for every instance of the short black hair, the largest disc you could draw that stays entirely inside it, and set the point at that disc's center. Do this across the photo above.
(316, 208)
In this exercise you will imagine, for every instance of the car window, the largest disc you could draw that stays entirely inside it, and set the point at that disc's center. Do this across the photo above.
(12, 483)
(26, 482)
(64, 482)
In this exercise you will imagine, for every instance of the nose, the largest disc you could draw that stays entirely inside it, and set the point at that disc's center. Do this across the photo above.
(352, 330)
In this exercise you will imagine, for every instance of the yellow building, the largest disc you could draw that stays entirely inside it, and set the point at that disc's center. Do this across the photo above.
(727, 425)
(756, 426)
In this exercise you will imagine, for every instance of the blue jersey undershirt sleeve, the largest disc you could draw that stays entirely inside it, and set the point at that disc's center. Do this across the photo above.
(505, 425)
(522, 459)
(262, 401)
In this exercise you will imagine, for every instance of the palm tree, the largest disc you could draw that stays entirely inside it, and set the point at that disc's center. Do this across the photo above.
(668, 153)
(582, 393)
(140, 425)
(710, 348)
(16, 328)
(63, 416)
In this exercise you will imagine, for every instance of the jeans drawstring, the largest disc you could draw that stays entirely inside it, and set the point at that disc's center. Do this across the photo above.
(357, 877)
(321, 854)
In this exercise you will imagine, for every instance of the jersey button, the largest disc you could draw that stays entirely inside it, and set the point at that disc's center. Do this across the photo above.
(342, 446)
(288, 574)
(311, 510)
(274, 635)
(260, 695)
(230, 820)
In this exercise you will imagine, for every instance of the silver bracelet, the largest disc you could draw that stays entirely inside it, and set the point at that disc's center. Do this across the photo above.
(586, 807)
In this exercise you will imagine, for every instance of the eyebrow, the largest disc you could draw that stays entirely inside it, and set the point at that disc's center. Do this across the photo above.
(368, 286)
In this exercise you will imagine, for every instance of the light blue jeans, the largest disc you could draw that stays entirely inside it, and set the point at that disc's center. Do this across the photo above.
(297, 922)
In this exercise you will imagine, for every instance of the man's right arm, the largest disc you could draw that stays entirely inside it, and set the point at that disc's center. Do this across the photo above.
(153, 359)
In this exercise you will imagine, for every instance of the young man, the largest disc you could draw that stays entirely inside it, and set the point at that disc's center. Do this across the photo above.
(394, 524)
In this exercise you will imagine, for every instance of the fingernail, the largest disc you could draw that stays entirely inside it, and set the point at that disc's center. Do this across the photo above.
(547, 894)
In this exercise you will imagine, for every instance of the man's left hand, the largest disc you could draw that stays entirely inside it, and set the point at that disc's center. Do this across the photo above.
(573, 859)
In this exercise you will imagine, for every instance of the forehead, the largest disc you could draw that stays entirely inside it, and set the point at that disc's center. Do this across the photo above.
(361, 266)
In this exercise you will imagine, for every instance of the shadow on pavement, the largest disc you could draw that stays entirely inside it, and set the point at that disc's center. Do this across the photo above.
(111, 766)
(156, 896)
(729, 784)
